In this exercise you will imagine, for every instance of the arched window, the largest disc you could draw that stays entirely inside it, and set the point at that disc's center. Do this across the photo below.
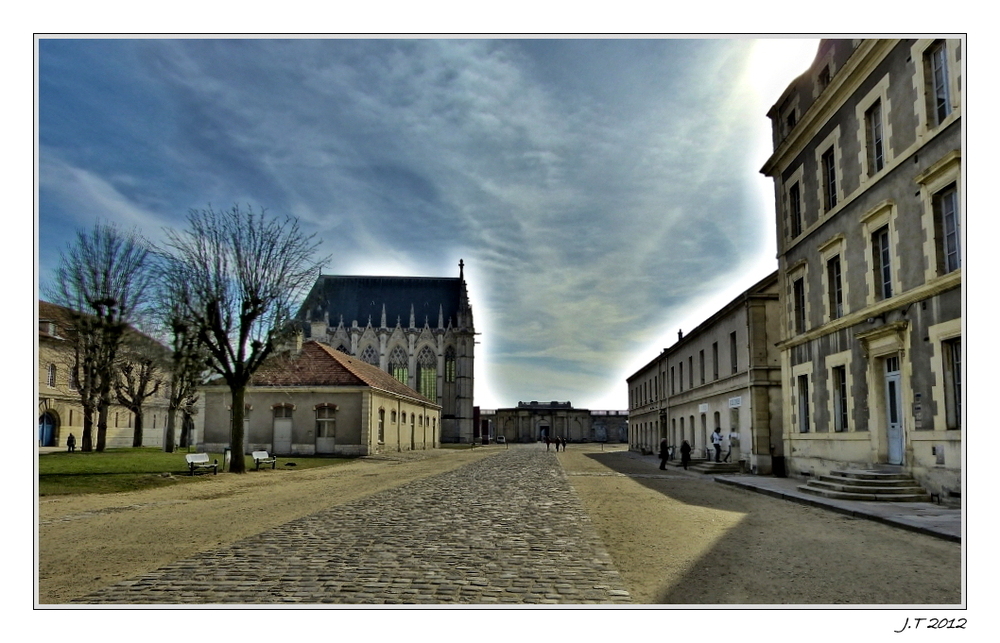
(326, 420)
(344, 349)
(381, 426)
(427, 373)
(449, 364)
(370, 355)
(393, 415)
(283, 410)
(399, 364)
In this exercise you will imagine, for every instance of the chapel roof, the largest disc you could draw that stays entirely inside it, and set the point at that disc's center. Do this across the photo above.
(359, 298)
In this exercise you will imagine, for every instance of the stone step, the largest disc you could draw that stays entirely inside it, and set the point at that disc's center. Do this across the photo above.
(869, 474)
(905, 481)
(708, 466)
(906, 488)
(869, 497)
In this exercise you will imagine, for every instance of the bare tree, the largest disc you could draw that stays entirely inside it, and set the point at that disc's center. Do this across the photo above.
(189, 358)
(102, 280)
(238, 273)
(140, 375)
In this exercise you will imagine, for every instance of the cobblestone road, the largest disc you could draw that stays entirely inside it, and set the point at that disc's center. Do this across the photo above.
(506, 529)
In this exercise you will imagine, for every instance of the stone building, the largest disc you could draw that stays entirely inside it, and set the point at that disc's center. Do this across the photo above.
(318, 400)
(59, 409)
(725, 373)
(418, 329)
(867, 169)
(534, 421)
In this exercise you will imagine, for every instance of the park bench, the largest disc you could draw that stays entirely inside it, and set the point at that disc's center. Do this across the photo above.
(261, 457)
(200, 461)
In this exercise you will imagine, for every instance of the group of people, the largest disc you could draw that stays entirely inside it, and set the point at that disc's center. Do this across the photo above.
(555, 441)
(666, 452)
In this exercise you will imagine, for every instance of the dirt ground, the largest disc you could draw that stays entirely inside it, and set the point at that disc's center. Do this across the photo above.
(675, 538)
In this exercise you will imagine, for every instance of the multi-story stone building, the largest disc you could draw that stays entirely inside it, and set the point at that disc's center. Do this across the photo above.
(418, 329)
(59, 410)
(534, 421)
(725, 374)
(867, 169)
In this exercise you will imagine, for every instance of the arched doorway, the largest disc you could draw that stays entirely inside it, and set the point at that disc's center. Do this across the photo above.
(47, 425)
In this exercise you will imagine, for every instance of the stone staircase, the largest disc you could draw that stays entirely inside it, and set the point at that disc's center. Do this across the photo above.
(708, 466)
(870, 485)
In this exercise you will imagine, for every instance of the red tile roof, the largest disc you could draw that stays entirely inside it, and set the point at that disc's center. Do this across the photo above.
(320, 365)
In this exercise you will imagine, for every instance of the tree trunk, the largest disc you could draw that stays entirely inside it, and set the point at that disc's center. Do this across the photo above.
(137, 432)
(102, 426)
(237, 463)
(186, 430)
(168, 430)
(87, 439)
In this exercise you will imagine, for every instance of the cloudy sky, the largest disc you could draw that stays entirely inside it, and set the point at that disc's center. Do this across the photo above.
(603, 193)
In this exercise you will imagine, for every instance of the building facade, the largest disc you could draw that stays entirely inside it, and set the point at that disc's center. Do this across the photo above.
(320, 401)
(418, 329)
(726, 374)
(59, 410)
(867, 169)
(534, 421)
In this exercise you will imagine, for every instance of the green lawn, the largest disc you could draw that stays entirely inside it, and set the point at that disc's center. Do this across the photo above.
(132, 469)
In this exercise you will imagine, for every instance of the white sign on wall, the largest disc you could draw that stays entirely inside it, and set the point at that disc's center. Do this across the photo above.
(735, 402)
(703, 408)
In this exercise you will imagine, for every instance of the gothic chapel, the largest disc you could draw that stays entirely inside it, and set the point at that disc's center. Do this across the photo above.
(418, 329)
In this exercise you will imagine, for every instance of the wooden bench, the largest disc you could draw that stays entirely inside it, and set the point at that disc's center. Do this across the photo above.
(200, 461)
(261, 457)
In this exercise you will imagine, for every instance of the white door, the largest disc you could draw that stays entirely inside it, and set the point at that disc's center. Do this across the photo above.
(894, 410)
(282, 440)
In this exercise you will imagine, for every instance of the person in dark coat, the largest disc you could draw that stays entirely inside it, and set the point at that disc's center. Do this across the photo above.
(664, 453)
(685, 453)
(564, 443)
(71, 443)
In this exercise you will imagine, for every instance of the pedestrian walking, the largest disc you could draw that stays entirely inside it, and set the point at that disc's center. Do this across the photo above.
(546, 443)
(664, 453)
(717, 443)
(71, 443)
(685, 453)
(564, 443)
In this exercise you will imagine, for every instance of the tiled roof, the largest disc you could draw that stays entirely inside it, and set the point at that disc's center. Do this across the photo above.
(320, 365)
(65, 325)
(48, 312)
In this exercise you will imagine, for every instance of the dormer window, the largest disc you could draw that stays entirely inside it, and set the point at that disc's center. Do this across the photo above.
(824, 77)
